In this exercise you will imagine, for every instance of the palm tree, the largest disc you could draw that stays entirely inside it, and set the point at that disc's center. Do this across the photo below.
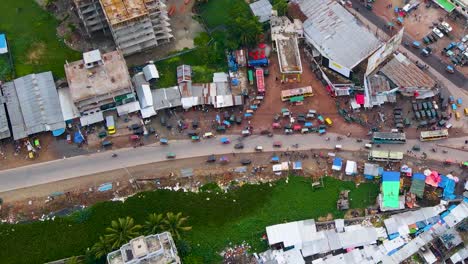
(175, 224)
(101, 248)
(154, 224)
(73, 260)
(121, 231)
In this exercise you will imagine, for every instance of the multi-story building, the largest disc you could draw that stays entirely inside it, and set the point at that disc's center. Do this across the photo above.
(135, 25)
(91, 15)
(155, 249)
(98, 83)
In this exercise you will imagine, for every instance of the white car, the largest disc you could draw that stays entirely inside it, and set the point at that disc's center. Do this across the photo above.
(438, 32)
(464, 39)
(446, 26)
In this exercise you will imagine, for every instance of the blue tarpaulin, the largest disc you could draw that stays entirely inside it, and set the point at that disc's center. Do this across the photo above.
(58, 132)
(337, 162)
(275, 158)
(419, 176)
(308, 124)
(297, 165)
(78, 138)
(218, 119)
(391, 176)
(224, 140)
(449, 190)
(247, 115)
(105, 187)
(227, 123)
(322, 131)
(443, 181)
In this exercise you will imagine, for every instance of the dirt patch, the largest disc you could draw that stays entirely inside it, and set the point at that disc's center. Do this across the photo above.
(36, 52)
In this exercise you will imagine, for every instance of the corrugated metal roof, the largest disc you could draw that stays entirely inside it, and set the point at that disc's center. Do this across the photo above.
(262, 9)
(4, 129)
(336, 33)
(404, 73)
(33, 104)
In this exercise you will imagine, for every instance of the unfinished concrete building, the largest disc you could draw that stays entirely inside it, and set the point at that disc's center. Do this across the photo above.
(284, 35)
(91, 15)
(137, 25)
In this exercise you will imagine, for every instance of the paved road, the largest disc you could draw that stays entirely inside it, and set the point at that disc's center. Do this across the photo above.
(94, 163)
(457, 78)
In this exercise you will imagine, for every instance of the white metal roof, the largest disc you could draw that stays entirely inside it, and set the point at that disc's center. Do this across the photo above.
(128, 108)
(69, 109)
(92, 56)
(4, 129)
(262, 9)
(151, 72)
(288, 233)
(91, 119)
(336, 33)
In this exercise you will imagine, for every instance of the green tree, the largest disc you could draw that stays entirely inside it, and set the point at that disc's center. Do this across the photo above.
(101, 248)
(281, 6)
(121, 231)
(154, 224)
(242, 26)
(175, 224)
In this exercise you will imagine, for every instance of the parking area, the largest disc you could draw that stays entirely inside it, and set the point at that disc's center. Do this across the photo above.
(425, 24)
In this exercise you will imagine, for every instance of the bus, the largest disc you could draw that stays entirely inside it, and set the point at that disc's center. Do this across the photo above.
(385, 155)
(250, 73)
(260, 81)
(434, 135)
(389, 138)
(296, 94)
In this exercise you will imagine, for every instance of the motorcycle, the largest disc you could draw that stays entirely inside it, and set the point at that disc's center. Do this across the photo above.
(114, 155)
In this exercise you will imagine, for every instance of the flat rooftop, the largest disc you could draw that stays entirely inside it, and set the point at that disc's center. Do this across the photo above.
(118, 11)
(106, 79)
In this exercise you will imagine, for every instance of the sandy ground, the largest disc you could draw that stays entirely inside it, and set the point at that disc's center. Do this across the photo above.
(321, 101)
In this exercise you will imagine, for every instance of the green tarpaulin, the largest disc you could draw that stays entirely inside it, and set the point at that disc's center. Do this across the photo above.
(391, 192)
(446, 5)
(296, 99)
(417, 187)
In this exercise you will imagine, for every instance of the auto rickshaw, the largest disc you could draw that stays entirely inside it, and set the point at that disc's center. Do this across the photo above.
(277, 144)
(195, 138)
(224, 160)
(258, 148)
(106, 143)
(163, 141)
(450, 69)
(170, 155)
(211, 159)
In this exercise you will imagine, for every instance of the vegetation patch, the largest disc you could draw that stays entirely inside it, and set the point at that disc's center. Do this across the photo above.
(216, 220)
(32, 38)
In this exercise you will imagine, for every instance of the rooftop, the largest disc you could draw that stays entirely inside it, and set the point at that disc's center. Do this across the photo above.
(4, 129)
(33, 105)
(108, 79)
(336, 33)
(154, 249)
(284, 33)
(262, 9)
(404, 73)
(118, 11)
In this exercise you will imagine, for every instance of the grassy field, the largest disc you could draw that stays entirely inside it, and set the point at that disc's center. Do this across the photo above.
(31, 33)
(216, 12)
(6, 73)
(217, 219)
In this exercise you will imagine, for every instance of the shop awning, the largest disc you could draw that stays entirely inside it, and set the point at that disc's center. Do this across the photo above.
(360, 99)
(296, 99)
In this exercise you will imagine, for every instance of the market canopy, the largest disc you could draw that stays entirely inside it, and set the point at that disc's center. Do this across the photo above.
(418, 184)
